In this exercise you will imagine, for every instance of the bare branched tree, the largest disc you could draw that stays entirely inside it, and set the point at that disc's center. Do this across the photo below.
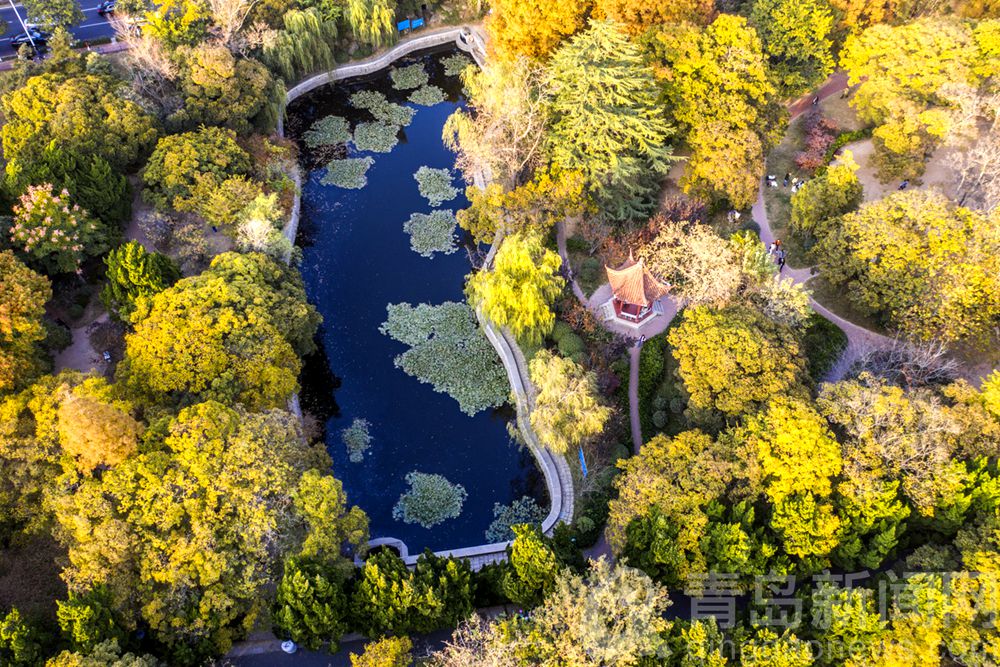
(909, 364)
(150, 67)
(228, 16)
(702, 266)
(974, 136)
(501, 136)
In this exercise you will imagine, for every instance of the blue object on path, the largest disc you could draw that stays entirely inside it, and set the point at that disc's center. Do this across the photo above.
(583, 464)
(404, 25)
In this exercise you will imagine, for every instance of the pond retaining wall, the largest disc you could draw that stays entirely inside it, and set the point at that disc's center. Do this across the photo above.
(555, 469)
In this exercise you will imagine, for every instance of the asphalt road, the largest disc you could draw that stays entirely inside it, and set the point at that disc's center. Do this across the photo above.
(422, 645)
(92, 27)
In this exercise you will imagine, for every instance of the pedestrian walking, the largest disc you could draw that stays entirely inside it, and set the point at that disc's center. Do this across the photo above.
(788, 177)
(815, 101)
(905, 184)
(781, 260)
(772, 248)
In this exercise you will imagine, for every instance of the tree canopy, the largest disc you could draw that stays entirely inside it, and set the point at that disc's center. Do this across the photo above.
(822, 199)
(229, 334)
(733, 360)
(186, 166)
(23, 294)
(606, 121)
(639, 16)
(927, 266)
(901, 71)
(86, 114)
(532, 29)
(503, 133)
(567, 408)
(188, 535)
(720, 90)
(133, 272)
(519, 291)
(220, 89)
(797, 40)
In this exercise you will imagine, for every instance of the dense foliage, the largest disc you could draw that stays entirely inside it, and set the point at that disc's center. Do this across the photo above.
(23, 294)
(133, 272)
(158, 508)
(55, 234)
(927, 266)
(722, 94)
(390, 598)
(606, 123)
(567, 409)
(906, 109)
(518, 293)
(186, 167)
(87, 114)
(229, 334)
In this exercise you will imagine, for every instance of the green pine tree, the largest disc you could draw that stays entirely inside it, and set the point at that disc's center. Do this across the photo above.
(533, 567)
(133, 272)
(311, 605)
(607, 122)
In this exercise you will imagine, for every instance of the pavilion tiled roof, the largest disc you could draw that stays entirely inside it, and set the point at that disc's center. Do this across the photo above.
(633, 283)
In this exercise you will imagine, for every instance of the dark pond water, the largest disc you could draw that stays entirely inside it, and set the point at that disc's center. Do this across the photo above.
(356, 260)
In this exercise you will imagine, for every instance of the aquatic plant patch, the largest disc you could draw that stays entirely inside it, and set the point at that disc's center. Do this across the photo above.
(382, 109)
(376, 137)
(427, 96)
(435, 185)
(357, 438)
(430, 500)
(348, 173)
(455, 65)
(327, 131)
(432, 233)
(522, 510)
(408, 78)
(449, 351)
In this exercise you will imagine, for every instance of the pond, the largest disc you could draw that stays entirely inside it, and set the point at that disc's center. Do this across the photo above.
(356, 260)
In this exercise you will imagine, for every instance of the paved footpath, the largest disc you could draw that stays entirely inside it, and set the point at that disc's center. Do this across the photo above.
(859, 338)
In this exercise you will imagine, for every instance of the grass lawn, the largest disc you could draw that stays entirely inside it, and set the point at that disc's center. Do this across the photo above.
(835, 298)
(781, 161)
(778, 201)
(587, 269)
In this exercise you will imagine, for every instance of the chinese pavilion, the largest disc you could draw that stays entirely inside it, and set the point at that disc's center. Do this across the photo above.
(635, 293)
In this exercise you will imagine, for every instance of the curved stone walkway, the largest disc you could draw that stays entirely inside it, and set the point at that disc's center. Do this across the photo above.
(859, 339)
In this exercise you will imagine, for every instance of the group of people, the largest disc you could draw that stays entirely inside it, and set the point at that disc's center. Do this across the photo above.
(776, 251)
(796, 183)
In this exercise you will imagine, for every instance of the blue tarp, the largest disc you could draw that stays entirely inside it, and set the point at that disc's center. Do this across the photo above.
(583, 463)
(416, 23)
(404, 25)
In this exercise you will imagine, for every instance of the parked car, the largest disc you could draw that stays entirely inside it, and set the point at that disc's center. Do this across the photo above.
(39, 37)
(107, 7)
